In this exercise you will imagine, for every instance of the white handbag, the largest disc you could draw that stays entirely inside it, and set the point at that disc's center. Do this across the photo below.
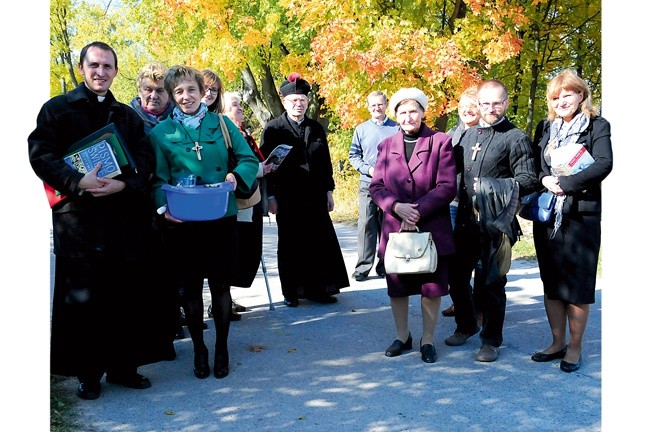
(410, 252)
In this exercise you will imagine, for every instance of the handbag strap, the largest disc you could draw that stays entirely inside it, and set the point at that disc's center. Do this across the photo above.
(224, 131)
(416, 229)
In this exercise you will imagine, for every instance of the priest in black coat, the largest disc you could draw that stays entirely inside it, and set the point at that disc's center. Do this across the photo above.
(103, 238)
(310, 261)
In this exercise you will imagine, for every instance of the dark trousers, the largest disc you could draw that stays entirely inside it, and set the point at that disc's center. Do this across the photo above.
(94, 317)
(368, 232)
(486, 299)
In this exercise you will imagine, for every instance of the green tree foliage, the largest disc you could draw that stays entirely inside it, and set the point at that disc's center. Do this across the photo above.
(346, 48)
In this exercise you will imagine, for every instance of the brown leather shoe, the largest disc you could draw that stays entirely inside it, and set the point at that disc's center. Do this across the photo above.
(450, 311)
(458, 338)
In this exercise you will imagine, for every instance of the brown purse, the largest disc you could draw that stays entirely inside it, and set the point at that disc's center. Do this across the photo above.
(244, 200)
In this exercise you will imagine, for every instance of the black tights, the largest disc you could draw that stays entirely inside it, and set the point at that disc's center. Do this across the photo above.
(191, 294)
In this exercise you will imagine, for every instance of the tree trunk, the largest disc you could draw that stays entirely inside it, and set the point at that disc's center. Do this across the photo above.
(270, 91)
(441, 123)
(516, 89)
(534, 72)
(534, 79)
(252, 97)
(460, 9)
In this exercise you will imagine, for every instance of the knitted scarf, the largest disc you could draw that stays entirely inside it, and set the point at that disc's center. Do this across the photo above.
(191, 121)
(562, 134)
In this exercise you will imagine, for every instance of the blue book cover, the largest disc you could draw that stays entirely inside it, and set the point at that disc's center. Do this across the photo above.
(84, 160)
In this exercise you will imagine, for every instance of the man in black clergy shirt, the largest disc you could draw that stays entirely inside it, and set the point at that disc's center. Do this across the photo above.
(101, 237)
(493, 149)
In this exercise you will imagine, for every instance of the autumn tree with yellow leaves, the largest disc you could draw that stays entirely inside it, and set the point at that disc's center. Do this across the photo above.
(345, 48)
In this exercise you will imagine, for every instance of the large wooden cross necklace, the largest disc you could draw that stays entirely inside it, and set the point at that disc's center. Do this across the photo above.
(197, 147)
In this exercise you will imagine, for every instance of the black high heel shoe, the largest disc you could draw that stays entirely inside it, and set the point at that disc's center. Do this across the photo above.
(221, 365)
(398, 346)
(201, 366)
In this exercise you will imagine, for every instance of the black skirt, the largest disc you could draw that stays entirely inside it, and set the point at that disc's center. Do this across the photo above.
(568, 263)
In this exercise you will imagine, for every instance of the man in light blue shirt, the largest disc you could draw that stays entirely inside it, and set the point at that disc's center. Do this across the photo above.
(363, 155)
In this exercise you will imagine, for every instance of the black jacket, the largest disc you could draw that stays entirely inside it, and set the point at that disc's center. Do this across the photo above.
(582, 189)
(84, 224)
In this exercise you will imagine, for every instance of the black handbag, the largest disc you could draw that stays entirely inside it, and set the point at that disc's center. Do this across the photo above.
(538, 206)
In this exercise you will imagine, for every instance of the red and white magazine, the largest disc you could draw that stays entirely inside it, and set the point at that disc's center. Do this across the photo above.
(570, 159)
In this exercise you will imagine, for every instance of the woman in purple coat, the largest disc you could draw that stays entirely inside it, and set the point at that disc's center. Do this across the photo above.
(413, 183)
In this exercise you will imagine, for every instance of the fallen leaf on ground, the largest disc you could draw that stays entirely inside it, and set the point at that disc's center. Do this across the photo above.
(256, 348)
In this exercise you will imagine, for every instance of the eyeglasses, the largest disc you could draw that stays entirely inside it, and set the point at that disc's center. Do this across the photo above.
(496, 105)
(298, 101)
(213, 90)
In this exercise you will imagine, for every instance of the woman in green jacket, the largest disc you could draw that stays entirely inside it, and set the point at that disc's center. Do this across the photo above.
(191, 142)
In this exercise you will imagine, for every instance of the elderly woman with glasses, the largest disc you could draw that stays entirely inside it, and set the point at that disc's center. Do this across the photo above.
(249, 220)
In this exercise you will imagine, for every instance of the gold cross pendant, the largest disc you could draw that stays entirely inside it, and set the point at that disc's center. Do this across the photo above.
(476, 149)
(197, 148)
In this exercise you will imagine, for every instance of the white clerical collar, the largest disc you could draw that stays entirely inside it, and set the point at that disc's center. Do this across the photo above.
(482, 123)
(99, 98)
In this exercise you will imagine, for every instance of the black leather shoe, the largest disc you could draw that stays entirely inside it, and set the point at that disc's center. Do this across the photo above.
(325, 299)
(221, 365)
(89, 390)
(542, 358)
(291, 302)
(238, 308)
(133, 380)
(398, 346)
(381, 273)
(570, 367)
(201, 366)
(429, 354)
(359, 277)
(180, 333)
(234, 316)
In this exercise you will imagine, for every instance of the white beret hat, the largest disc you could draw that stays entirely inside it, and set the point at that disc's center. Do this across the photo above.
(405, 94)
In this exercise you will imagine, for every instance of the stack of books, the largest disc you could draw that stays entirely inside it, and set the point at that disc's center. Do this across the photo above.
(105, 145)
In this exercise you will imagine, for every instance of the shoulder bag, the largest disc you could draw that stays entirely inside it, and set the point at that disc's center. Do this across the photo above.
(410, 252)
(538, 206)
(244, 200)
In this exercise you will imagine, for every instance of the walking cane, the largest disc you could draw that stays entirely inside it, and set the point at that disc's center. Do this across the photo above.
(266, 279)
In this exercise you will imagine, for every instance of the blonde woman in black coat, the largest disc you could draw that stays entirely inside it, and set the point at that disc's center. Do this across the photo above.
(567, 250)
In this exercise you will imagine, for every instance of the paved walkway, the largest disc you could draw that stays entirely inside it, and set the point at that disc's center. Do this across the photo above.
(322, 368)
